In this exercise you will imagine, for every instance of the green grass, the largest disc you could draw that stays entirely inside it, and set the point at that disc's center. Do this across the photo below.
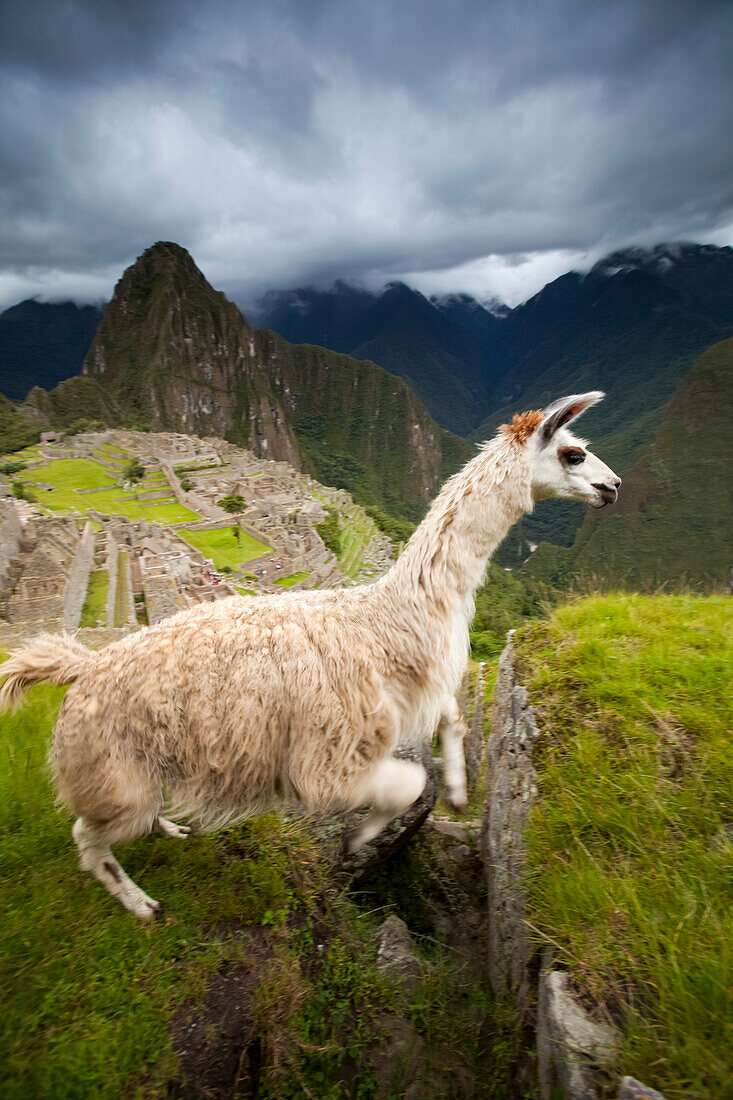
(628, 876)
(222, 547)
(113, 449)
(294, 578)
(27, 454)
(87, 991)
(67, 475)
(95, 603)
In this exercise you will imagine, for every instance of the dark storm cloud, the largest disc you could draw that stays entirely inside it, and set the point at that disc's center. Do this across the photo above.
(463, 144)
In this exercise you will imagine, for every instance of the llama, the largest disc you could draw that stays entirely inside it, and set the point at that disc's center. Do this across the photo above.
(297, 699)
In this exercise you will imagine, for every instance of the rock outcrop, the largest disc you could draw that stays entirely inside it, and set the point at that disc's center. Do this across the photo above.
(573, 1050)
(577, 1052)
(510, 790)
(631, 1089)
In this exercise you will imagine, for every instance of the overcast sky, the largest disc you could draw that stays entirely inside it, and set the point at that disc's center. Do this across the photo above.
(478, 145)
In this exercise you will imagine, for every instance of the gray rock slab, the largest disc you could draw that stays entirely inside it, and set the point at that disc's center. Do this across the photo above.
(456, 830)
(631, 1089)
(574, 1051)
(510, 793)
(395, 954)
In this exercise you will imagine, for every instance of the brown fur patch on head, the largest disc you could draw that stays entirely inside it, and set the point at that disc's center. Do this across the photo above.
(522, 425)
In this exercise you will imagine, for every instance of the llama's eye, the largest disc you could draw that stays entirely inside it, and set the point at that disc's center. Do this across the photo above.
(574, 458)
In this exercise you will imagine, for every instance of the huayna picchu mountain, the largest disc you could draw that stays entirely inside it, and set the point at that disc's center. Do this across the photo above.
(172, 353)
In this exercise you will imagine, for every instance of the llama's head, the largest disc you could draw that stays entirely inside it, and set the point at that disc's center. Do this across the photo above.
(561, 464)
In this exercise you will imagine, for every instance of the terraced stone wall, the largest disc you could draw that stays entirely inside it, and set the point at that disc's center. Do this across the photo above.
(78, 579)
(11, 534)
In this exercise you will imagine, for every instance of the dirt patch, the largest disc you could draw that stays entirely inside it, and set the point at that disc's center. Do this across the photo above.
(218, 1051)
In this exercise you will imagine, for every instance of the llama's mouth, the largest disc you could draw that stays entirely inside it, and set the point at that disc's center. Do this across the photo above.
(606, 496)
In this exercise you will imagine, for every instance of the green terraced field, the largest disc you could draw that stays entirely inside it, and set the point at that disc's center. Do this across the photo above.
(294, 578)
(68, 475)
(221, 546)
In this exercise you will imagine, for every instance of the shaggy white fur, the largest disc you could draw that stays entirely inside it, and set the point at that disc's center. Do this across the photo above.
(248, 703)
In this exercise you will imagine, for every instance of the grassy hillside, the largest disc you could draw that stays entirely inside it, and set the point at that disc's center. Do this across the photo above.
(629, 840)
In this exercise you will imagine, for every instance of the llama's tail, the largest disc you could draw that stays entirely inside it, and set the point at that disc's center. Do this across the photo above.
(57, 658)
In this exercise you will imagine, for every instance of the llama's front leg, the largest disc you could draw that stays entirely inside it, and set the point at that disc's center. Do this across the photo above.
(390, 789)
(452, 729)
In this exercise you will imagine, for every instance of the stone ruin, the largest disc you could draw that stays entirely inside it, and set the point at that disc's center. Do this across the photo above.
(152, 571)
(44, 569)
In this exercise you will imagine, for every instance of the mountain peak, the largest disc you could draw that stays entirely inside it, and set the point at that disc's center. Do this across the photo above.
(658, 259)
(165, 257)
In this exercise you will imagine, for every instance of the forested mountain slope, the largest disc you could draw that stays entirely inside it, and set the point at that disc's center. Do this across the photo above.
(673, 523)
(438, 346)
(42, 343)
(633, 327)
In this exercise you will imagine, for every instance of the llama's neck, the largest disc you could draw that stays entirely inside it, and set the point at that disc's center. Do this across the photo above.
(445, 560)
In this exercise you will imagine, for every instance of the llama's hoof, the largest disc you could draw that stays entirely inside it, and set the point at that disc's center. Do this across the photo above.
(171, 829)
(150, 910)
(352, 843)
(458, 802)
(143, 907)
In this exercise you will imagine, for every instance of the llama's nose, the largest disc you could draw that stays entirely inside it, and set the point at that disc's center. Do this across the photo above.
(617, 482)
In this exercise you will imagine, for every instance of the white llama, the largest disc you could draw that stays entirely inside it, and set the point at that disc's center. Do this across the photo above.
(247, 703)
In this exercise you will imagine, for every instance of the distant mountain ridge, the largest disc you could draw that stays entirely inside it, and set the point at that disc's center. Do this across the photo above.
(437, 345)
(633, 325)
(41, 343)
(640, 314)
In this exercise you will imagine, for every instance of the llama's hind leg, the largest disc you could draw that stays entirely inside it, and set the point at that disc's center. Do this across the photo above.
(171, 829)
(95, 855)
(390, 789)
(452, 729)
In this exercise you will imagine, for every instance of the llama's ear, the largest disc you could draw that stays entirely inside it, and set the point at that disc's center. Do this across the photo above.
(565, 410)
